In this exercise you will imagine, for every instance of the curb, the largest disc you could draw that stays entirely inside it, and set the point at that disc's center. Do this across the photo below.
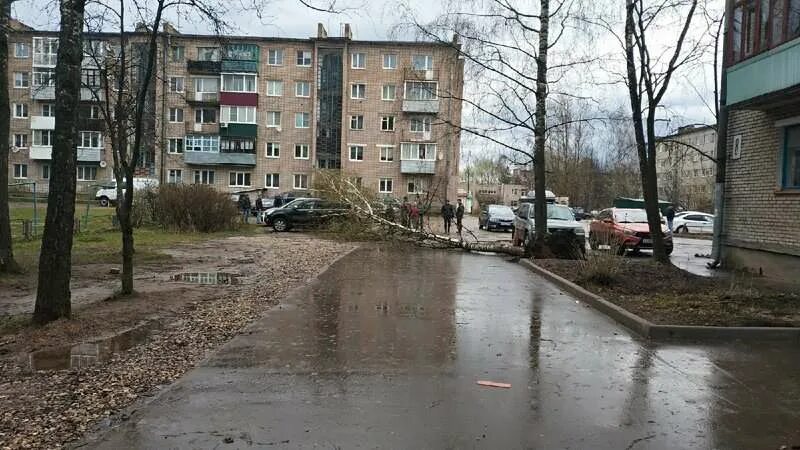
(649, 330)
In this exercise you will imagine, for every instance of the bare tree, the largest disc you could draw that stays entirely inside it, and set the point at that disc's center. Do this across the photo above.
(7, 262)
(55, 260)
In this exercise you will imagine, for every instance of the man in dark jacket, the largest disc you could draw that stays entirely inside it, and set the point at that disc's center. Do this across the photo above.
(459, 215)
(670, 214)
(447, 215)
(259, 208)
(244, 206)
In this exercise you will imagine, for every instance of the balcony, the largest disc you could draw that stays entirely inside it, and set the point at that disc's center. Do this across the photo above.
(234, 66)
(43, 92)
(92, 94)
(210, 98)
(417, 166)
(238, 98)
(421, 75)
(202, 128)
(245, 130)
(421, 106)
(771, 72)
(219, 159)
(84, 154)
(203, 67)
(43, 123)
(413, 136)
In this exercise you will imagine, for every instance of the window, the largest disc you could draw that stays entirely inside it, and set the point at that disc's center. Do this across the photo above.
(20, 110)
(272, 181)
(275, 57)
(420, 124)
(205, 115)
(386, 153)
(201, 143)
(20, 171)
(91, 139)
(238, 83)
(385, 186)
(390, 61)
(358, 91)
(791, 157)
(94, 51)
(356, 122)
(175, 145)
(20, 140)
(48, 110)
(90, 78)
(238, 114)
(87, 173)
(176, 114)
(176, 84)
(356, 153)
(45, 51)
(44, 76)
(422, 62)
(239, 179)
(759, 25)
(237, 145)
(273, 150)
(273, 118)
(302, 89)
(207, 85)
(176, 53)
(414, 151)
(274, 88)
(389, 92)
(208, 53)
(302, 120)
(94, 112)
(387, 123)
(46, 171)
(358, 60)
(300, 181)
(420, 90)
(203, 177)
(22, 79)
(22, 50)
(416, 186)
(301, 151)
(357, 181)
(43, 138)
(304, 58)
(174, 176)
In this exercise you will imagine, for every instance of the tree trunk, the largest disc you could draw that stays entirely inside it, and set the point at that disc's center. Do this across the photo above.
(55, 261)
(540, 169)
(7, 263)
(650, 191)
(127, 250)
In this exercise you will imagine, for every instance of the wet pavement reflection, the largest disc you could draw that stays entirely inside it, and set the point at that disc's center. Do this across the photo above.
(384, 351)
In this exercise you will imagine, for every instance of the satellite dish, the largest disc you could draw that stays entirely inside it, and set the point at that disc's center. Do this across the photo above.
(103, 164)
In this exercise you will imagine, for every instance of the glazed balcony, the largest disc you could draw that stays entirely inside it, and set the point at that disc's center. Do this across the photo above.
(204, 67)
(418, 166)
(421, 106)
(762, 80)
(219, 158)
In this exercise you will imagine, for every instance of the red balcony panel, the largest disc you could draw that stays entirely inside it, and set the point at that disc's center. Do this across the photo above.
(238, 98)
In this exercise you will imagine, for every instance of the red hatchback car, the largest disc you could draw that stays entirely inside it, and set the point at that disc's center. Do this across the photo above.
(625, 228)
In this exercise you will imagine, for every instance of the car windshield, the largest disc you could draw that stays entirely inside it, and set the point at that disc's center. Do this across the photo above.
(559, 212)
(500, 210)
(294, 203)
(630, 216)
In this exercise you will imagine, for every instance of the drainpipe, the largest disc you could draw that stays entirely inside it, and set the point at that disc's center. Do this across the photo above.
(165, 42)
(722, 149)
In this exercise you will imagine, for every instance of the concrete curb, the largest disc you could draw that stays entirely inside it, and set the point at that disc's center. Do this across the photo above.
(649, 330)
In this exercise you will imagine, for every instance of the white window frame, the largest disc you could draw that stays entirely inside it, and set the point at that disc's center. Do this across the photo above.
(425, 121)
(208, 54)
(272, 115)
(175, 115)
(356, 148)
(22, 45)
(20, 111)
(409, 151)
(275, 57)
(435, 90)
(427, 63)
(384, 91)
(203, 113)
(41, 141)
(94, 112)
(298, 92)
(174, 149)
(383, 183)
(354, 91)
(420, 185)
(175, 176)
(250, 114)
(20, 171)
(45, 171)
(358, 60)
(94, 138)
(301, 58)
(300, 176)
(385, 153)
(20, 140)
(177, 85)
(201, 143)
(357, 122)
(49, 110)
(24, 80)
(389, 121)
(200, 85)
(242, 179)
(391, 58)
(204, 176)
(272, 177)
(305, 152)
(245, 78)
(177, 53)
(84, 170)
(305, 120)
(274, 88)
(272, 150)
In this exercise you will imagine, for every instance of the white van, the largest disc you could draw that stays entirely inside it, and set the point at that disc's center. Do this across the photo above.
(107, 194)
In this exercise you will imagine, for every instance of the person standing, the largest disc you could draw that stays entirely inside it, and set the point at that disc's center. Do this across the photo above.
(447, 215)
(244, 206)
(413, 216)
(459, 215)
(404, 212)
(278, 201)
(259, 207)
(670, 213)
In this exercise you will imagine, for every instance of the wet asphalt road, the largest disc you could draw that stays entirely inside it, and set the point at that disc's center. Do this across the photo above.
(385, 348)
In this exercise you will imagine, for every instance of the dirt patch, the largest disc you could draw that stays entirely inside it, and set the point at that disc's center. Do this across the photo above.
(670, 296)
(46, 409)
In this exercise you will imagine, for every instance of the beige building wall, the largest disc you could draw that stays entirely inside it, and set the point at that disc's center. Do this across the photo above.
(685, 176)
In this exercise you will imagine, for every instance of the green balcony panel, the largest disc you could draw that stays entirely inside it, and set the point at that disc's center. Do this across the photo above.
(249, 130)
(219, 159)
(239, 66)
(241, 52)
(768, 72)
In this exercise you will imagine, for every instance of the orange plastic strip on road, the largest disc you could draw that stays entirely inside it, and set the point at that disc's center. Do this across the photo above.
(495, 384)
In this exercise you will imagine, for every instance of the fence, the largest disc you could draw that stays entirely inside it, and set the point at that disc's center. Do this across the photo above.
(28, 205)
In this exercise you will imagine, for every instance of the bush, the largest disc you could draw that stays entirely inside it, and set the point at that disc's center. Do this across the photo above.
(602, 267)
(192, 207)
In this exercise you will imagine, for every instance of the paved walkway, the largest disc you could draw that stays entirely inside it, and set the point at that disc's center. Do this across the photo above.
(384, 351)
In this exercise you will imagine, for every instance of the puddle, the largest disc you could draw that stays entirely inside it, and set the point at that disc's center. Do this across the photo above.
(88, 353)
(217, 278)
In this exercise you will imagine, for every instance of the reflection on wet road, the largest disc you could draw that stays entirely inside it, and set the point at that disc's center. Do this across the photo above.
(385, 349)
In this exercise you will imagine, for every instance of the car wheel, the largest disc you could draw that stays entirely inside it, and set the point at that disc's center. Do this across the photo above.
(104, 201)
(280, 224)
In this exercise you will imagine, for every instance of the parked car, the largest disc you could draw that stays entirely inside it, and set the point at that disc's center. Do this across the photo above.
(496, 217)
(107, 194)
(302, 212)
(580, 213)
(625, 228)
(693, 222)
(559, 220)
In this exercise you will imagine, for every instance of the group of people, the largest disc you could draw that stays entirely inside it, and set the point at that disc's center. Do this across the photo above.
(246, 208)
(449, 213)
(412, 216)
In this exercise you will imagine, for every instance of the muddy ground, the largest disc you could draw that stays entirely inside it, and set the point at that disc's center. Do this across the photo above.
(183, 322)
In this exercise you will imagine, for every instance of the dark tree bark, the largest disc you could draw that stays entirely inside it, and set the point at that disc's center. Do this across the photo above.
(540, 131)
(7, 263)
(55, 261)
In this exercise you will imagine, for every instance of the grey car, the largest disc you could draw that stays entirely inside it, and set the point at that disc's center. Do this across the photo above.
(496, 217)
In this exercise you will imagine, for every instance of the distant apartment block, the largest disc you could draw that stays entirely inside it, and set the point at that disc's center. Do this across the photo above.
(686, 172)
(248, 113)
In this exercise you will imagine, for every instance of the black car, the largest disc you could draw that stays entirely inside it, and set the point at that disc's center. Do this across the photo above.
(496, 217)
(303, 212)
